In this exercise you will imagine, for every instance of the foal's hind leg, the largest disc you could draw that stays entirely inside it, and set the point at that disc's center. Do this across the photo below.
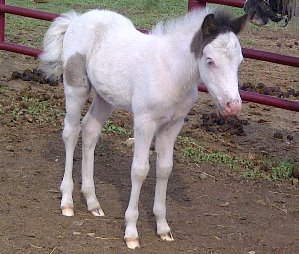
(76, 98)
(165, 139)
(92, 124)
(76, 90)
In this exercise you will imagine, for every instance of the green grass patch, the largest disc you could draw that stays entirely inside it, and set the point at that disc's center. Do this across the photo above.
(31, 110)
(272, 169)
(110, 127)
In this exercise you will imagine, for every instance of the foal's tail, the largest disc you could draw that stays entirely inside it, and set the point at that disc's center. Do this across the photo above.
(52, 55)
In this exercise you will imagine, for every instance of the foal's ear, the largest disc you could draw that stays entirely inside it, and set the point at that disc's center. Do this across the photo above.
(208, 25)
(238, 24)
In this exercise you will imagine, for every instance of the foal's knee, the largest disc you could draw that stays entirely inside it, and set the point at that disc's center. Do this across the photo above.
(164, 170)
(139, 173)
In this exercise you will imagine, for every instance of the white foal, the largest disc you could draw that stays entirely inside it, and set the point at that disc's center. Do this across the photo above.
(153, 75)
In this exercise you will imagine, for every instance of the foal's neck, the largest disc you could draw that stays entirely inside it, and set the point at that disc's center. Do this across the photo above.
(183, 65)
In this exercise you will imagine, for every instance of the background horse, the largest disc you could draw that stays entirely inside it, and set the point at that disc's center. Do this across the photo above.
(280, 11)
(153, 75)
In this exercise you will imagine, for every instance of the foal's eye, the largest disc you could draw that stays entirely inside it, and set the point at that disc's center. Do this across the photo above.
(210, 61)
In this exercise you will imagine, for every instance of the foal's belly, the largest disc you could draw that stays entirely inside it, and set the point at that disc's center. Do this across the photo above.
(112, 89)
(116, 95)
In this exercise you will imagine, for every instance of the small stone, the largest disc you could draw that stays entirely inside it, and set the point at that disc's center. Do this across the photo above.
(129, 142)
(91, 234)
(290, 137)
(77, 223)
(226, 204)
(295, 182)
(203, 176)
(9, 148)
(28, 118)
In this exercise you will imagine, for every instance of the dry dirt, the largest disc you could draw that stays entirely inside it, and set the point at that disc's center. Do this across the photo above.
(221, 213)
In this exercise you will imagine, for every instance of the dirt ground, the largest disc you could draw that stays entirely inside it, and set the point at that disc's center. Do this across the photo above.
(221, 213)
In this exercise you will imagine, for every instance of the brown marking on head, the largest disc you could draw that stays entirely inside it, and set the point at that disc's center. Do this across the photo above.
(213, 25)
(75, 71)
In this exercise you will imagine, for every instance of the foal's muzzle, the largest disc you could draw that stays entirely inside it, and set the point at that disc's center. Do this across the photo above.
(231, 108)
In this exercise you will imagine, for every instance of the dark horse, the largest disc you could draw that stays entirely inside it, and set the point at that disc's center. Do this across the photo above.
(280, 11)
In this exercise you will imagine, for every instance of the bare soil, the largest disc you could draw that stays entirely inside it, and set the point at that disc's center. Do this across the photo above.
(220, 213)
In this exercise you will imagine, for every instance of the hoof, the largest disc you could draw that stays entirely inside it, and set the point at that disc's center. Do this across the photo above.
(167, 237)
(97, 212)
(132, 243)
(67, 211)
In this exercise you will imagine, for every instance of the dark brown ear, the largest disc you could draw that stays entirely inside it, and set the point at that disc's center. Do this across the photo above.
(238, 24)
(208, 26)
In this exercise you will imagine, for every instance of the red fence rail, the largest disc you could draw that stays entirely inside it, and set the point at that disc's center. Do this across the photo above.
(248, 53)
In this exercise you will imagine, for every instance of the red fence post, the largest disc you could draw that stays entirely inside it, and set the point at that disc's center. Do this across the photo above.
(195, 4)
(2, 23)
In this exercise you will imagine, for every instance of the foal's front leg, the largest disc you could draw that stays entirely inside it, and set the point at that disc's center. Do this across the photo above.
(165, 139)
(144, 130)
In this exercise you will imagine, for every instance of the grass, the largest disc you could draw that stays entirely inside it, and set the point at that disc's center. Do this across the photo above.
(29, 31)
(274, 169)
(110, 127)
(31, 110)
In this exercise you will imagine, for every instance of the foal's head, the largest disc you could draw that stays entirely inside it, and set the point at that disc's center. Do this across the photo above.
(218, 52)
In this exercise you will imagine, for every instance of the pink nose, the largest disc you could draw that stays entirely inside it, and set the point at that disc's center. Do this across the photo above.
(232, 108)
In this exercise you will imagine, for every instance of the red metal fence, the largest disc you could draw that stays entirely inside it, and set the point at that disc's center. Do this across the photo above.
(248, 53)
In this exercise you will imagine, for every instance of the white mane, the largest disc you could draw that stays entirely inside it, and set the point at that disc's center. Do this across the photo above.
(186, 24)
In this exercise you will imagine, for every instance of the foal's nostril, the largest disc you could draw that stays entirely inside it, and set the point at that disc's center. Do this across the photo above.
(228, 107)
(232, 105)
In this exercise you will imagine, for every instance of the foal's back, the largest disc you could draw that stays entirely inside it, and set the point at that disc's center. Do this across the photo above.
(88, 28)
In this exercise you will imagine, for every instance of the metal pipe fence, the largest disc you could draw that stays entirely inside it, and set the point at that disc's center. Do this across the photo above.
(248, 53)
